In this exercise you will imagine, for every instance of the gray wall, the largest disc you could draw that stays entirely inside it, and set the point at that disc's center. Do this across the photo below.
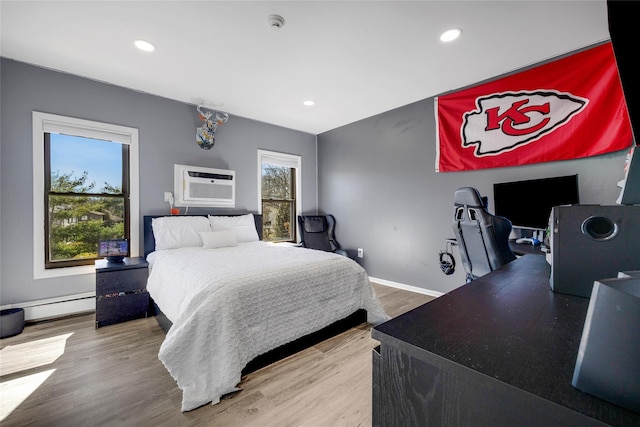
(166, 136)
(377, 176)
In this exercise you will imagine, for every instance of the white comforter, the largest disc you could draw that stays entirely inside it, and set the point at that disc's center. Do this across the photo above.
(229, 305)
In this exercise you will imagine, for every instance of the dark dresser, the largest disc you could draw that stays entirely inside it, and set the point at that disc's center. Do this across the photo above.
(121, 293)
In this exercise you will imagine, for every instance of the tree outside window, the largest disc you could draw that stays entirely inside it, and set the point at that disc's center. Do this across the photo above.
(278, 203)
(86, 197)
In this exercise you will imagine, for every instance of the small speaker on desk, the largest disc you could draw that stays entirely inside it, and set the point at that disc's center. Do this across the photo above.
(607, 363)
(592, 242)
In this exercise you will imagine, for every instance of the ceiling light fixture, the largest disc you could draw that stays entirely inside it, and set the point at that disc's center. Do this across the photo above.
(275, 22)
(144, 45)
(450, 35)
(309, 103)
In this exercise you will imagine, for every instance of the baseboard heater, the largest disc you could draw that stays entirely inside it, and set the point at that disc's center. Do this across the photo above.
(56, 307)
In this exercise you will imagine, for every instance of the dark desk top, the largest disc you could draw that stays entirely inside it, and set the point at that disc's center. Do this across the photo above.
(510, 326)
(126, 264)
(522, 249)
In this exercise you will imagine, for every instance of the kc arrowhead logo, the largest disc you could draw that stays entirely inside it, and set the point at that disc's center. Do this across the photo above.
(503, 122)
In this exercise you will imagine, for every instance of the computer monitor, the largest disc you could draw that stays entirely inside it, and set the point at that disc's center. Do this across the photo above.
(527, 204)
(114, 250)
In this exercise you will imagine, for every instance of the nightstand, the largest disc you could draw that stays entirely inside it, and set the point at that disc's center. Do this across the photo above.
(121, 292)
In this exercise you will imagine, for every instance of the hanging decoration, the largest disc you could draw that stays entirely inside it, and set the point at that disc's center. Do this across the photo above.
(205, 134)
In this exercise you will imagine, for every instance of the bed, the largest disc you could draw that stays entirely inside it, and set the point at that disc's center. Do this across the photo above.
(228, 298)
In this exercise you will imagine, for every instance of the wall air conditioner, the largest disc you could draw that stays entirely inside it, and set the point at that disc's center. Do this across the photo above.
(205, 187)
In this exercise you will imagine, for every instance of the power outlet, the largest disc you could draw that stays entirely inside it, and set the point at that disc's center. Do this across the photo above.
(360, 253)
(168, 197)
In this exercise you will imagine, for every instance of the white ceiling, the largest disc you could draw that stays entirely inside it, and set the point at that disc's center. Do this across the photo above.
(356, 59)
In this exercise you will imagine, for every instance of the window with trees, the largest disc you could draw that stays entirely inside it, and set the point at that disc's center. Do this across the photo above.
(279, 176)
(87, 186)
(85, 190)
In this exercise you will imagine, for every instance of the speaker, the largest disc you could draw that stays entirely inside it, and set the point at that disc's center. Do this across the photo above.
(607, 363)
(592, 242)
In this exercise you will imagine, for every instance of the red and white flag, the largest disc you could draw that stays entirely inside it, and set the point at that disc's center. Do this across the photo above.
(566, 109)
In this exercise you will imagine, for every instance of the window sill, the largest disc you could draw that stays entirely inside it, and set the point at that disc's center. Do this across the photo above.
(62, 272)
(284, 243)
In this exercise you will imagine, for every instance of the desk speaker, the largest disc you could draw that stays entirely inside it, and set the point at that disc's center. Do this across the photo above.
(592, 242)
(607, 363)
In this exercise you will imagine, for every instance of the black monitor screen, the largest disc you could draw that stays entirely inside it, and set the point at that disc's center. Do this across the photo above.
(527, 204)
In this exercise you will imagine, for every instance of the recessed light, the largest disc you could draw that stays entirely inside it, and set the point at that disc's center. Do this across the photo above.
(450, 35)
(144, 45)
(309, 103)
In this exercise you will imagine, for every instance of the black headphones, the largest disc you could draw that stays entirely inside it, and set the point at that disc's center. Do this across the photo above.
(448, 266)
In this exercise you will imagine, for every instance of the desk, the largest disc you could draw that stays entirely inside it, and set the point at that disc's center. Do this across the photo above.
(520, 249)
(517, 248)
(500, 350)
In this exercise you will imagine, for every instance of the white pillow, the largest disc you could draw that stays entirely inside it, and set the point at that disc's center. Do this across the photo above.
(243, 226)
(218, 239)
(172, 232)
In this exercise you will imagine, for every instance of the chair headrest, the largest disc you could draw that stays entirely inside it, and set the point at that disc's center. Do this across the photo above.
(316, 224)
(468, 196)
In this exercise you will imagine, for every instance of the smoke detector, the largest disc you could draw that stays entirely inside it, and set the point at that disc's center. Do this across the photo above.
(275, 21)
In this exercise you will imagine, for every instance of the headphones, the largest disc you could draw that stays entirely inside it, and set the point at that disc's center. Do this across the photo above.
(448, 266)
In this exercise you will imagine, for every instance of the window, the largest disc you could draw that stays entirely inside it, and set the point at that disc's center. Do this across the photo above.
(85, 190)
(87, 195)
(280, 201)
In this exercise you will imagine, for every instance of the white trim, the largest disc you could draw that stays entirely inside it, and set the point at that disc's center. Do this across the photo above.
(317, 178)
(44, 122)
(405, 287)
(56, 307)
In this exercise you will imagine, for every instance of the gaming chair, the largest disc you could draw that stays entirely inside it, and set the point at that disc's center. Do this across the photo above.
(483, 238)
(317, 232)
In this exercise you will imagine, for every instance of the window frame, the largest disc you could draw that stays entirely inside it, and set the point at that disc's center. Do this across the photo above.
(51, 123)
(293, 161)
(124, 195)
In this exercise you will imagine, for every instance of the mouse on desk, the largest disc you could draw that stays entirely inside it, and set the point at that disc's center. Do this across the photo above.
(528, 241)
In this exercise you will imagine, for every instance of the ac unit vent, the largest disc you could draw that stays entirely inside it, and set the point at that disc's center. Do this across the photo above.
(206, 187)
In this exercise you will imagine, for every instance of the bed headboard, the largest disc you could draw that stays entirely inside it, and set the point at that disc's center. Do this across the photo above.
(150, 241)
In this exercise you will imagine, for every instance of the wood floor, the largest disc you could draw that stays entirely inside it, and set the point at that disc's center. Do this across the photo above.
(67, 373)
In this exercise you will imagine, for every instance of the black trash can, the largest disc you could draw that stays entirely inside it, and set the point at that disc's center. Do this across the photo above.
(11, 322)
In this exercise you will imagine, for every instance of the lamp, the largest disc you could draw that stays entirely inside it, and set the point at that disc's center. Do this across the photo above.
(205, 134)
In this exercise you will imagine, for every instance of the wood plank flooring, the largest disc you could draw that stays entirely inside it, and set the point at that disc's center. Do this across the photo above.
(67, 373)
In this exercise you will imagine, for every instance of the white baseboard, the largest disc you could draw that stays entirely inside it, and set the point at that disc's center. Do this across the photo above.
(56, 307)
(406, 287)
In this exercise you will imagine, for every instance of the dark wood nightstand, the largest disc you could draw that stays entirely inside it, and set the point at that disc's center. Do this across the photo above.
(121, 292)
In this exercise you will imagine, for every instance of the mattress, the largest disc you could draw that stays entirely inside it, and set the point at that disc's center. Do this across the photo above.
(229, 305)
